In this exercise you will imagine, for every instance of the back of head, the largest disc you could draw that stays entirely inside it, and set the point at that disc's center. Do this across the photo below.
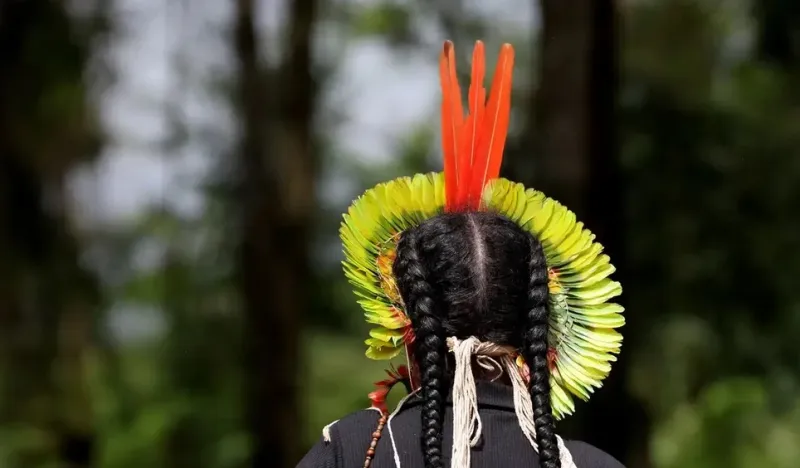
(475, 274)
(478, 271)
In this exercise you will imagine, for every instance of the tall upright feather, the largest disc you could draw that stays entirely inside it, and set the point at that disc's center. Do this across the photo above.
(494, 128)
(473, 146)
(472, 124)
(452, 121)
(448, 133)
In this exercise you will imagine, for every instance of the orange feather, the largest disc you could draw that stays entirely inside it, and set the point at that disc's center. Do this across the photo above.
(452, 121)
(472, 126)
(494, 129)
(448, 133)
(463, 164)
(475, 104)
(473, 146)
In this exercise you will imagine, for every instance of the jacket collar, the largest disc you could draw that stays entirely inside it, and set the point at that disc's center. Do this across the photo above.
(489, 395)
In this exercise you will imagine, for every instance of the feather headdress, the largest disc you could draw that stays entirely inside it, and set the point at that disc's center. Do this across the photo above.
(583, 339)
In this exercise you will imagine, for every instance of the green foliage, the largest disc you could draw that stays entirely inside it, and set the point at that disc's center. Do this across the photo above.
(336, 381)
(388, 20)
(710, 148)
(339, 377)
(711, 158)
(24, 444)
(731, 424)
(159, 410)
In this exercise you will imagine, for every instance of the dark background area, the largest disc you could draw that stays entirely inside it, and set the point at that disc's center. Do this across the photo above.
(172, 176)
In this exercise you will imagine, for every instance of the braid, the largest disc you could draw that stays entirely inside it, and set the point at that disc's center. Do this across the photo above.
(535, 354)
(429, 345)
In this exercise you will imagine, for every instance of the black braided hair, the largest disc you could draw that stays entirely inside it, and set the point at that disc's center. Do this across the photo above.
(474, 274)
(535, 354)
(430, 350)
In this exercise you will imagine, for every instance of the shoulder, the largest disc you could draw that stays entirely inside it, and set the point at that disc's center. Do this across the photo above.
(339, 438)
(588, 456)
(354, 425)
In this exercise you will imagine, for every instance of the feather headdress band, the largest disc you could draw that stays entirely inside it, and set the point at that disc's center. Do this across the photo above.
(583, 339)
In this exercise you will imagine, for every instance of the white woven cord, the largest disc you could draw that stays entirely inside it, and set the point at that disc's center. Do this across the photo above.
(467, 425)
(395, 452)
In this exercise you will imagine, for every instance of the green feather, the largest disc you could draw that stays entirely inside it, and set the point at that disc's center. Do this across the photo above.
(583, 322)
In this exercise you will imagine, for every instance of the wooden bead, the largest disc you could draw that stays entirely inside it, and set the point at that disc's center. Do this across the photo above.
(375, 438)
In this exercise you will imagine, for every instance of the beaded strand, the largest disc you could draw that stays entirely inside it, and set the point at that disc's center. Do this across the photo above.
(376, 436)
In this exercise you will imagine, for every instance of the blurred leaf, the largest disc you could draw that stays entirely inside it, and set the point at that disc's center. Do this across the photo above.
(731, 425)
(329, 396)
(390, 20)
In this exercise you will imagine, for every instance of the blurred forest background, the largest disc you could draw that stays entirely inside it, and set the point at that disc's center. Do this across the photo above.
(173, 172)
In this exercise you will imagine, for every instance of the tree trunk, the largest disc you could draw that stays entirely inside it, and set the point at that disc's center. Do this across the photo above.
(27, 339)
(76, 299)
(278, 175)
(778, 29)
(576, 134)
(562, 101)
(46, 299)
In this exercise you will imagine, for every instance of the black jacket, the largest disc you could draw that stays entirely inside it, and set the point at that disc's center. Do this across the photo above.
(503, 444)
